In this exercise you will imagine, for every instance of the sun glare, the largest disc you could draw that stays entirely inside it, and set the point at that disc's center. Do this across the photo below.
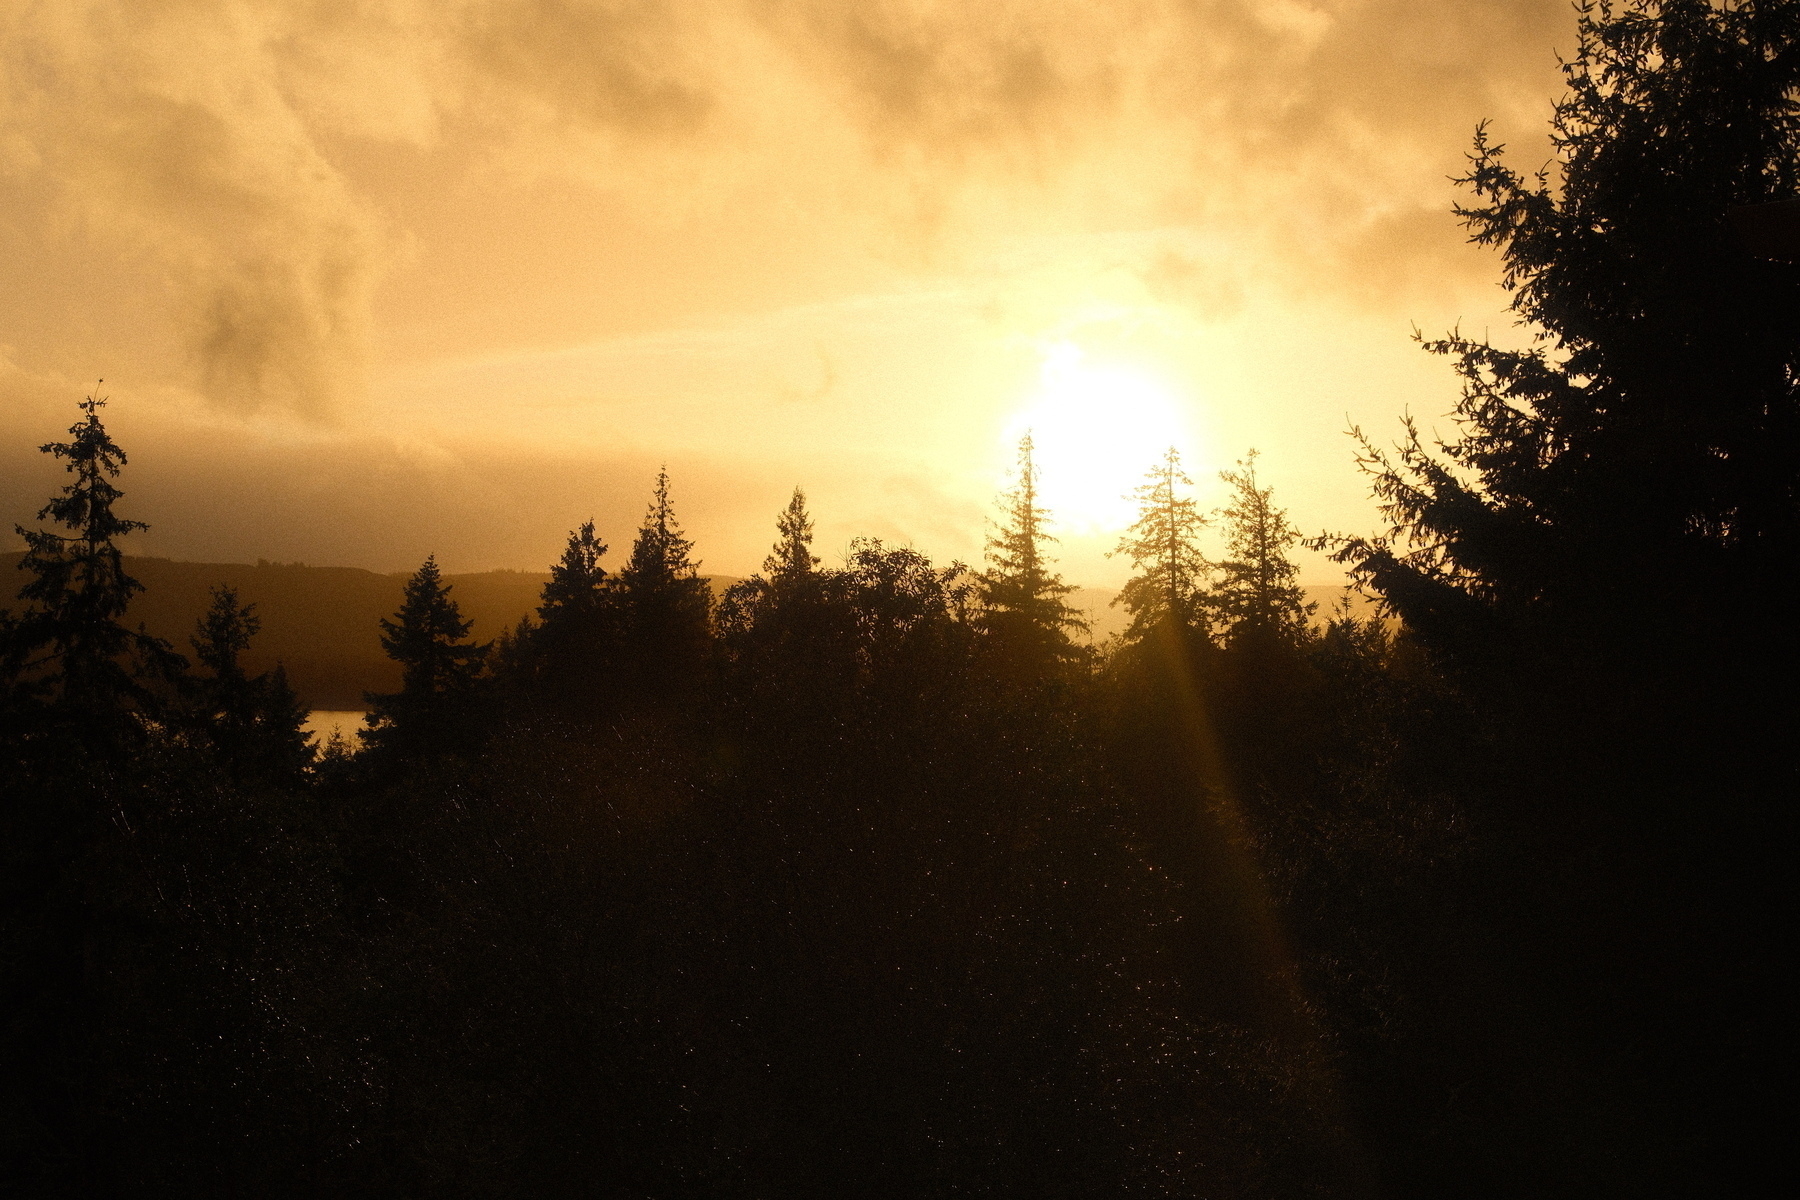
(1095, 429)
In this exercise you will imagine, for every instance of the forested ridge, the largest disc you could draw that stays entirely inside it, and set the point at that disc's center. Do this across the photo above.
(321, 624)
(879, 879)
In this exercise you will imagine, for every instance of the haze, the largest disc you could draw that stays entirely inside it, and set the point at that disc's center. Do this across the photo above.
(372, 280)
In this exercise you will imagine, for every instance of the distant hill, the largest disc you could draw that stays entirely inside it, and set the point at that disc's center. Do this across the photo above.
(321, 622)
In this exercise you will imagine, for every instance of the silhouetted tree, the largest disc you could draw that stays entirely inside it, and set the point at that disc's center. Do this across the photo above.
(664, 605)
(775, 625)
(577, 587)
(791, 561)
(439, 667)
(256, 722)
(1256, 597)
(788, 573)
(573, 647)
(69, 655)
(1026, 618)
(1647, 445)
(1603, 558)
(1164, 544)
(910, 617)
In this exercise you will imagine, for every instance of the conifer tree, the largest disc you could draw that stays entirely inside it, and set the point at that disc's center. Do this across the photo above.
(660, 557)
(792, 560)
(1163, 543)
(665, 605)
(787, 630)
(1257, 598)
(1647, 443)
(1025, 610)
(571, 649)
(256, 722)
(763, 608)
(576, 592)
(440, 667)
(70, 649)
(1603, 554)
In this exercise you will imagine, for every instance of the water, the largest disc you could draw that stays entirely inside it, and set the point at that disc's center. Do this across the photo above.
(321, 721)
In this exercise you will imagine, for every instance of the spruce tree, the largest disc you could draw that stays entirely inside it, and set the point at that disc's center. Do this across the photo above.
(576, 592)
(440, 667)
(1025, 613)
(1169, 589)
(1257, 599)
(772, 609)
(1603, 555)
(1648, 444)
(792, 561)
(665, 606)
(69, 656)
(571, 650)
(255, 722)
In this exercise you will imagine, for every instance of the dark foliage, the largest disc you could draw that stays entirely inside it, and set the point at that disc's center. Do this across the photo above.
(70, 666)
(254, 722)
(1601, 560)
(435, 709)
(1027, 621)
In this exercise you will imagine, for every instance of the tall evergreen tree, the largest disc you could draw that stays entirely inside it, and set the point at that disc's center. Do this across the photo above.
(1257, 598)
(1164, 544)
(665, 606)
(1023, 598)
(1604, 556)
(777, 610)
(791, 561)
(1648, 446)
(69, 654)
(572, 648)
(255, 722)
(577, 587)
(440, 666)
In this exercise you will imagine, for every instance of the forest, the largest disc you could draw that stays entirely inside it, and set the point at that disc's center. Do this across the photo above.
(879, 879)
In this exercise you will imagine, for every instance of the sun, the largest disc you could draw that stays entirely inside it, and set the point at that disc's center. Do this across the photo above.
(1095, 428)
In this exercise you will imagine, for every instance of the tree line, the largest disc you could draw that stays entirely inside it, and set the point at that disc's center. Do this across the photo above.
(877, 880)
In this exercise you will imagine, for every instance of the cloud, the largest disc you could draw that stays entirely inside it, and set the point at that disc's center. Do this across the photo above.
(209, 137)
(166, 127)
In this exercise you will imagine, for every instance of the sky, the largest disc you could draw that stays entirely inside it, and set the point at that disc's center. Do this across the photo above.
(368, 280)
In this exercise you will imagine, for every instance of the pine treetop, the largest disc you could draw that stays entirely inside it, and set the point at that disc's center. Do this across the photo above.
(429, 637)
(224, 633)
(660, 557)
(1164, 544)
(791, 558)
(1648, 432)
(70, 644)
(1258, 585)
(577, 580)
(86, 570)
(1018, 578)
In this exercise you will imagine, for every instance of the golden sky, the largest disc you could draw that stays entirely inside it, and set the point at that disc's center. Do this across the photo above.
(371, 279)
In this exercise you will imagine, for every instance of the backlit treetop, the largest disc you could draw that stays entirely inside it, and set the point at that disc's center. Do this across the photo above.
(1258, 597)
(71, 647)
(1170, 585)
(1650, 438)
(1024, 598)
